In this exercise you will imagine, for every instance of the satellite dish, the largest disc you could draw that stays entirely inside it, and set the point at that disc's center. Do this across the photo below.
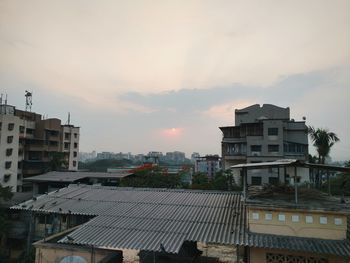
(72, 259)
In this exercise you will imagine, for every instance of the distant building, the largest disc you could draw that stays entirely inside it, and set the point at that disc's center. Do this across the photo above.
(194, 156)
(209, 164)
(263, 134)
(177, 157)
(28, 143)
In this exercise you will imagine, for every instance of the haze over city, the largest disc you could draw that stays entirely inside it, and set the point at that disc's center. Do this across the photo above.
(165, 75)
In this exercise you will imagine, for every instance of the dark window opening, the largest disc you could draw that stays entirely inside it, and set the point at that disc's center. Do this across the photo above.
(11, 126)
(9, 152)
(256, 180)
(255, 148)
(9, 139)
(272, 131)
(8, 165)
(273, 148)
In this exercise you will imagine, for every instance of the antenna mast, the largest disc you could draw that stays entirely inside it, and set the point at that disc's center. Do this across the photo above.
(29, 102)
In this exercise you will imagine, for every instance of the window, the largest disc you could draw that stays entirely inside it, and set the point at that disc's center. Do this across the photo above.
(282, 217)
(268, 216)
(29, 131)
(272, 131)
(75, 145)
(323, 220)
(11, 126)
(66, 145)
(295, 218)
(273, 180)
(273, 148)
(255, 216)
(21, 129)
(0, 125)
(285, 258)
(66, 136)
(7, 177)
(74, 163)
(9, 152)
(9, 139)
(75, 135)
(256, 180)
(338, 221)
(309, 219)
(255, 148)
(75, 154)
(19, 176)
(8, 165)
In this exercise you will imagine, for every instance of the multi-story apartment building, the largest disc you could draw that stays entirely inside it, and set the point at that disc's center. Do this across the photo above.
(263, 134)
(28, 144)
(209, 164)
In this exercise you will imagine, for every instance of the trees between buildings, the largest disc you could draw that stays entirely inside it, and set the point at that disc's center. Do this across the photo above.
(323, 140)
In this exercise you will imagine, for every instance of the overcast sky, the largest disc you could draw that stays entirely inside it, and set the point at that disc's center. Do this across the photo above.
(164, 75)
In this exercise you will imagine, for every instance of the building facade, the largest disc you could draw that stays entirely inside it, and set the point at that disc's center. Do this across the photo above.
(263, 134)
(209, 164)
(29, 143)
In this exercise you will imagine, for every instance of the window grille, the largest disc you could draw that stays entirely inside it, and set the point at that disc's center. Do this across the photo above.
(283, 258)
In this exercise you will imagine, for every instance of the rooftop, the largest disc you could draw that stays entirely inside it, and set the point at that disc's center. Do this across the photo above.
(136, 218)
(153, 219)
(71, 177)
(282, 196)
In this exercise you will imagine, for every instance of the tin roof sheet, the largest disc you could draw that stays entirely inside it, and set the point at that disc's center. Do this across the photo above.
(301, 244)
(136, 218)
(152, 219)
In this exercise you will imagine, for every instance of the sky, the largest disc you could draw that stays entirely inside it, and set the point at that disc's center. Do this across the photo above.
(140, 76)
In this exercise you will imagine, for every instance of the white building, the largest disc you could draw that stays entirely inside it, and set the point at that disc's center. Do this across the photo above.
(28, 143)
(9, 146)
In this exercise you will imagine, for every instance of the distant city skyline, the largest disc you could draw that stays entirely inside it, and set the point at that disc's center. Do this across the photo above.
(164, 76)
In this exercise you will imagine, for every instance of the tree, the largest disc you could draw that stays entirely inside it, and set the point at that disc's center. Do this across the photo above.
(323, 140)
(5, 195)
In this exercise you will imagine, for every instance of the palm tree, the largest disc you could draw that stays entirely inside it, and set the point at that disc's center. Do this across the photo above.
(323, 140)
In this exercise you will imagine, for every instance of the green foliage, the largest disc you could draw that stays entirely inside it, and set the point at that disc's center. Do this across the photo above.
(323, 140)
(340, 185)
(153, 177)
(103, 165)
(57, 161)
(5, 195)
(223, 181)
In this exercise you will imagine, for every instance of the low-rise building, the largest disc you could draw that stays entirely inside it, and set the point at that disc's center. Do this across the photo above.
(263, 134)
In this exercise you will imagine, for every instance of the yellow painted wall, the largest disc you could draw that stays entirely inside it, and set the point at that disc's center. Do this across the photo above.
(301, 228)
(258, 255)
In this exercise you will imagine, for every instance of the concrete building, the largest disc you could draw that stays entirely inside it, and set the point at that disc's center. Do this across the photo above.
(9, 146)
(209, 164)
(28, 143)
(263, 134)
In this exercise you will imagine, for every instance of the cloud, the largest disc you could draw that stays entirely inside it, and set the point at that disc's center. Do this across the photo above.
(127, 70)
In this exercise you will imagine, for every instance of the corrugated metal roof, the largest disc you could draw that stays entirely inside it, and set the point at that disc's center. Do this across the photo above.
(282, 162)
(301, 244)
(145, 219)
(135, 218)
(70, 177)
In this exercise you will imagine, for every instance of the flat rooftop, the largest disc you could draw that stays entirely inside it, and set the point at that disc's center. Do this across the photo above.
(284, 197)
(71, 177)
